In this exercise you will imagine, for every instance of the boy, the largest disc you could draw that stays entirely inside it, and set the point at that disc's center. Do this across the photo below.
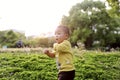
(63, 54)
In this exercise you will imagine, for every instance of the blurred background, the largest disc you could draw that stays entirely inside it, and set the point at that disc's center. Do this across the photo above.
(94, 24)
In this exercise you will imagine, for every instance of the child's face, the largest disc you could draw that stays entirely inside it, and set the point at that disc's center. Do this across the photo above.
(60, 35)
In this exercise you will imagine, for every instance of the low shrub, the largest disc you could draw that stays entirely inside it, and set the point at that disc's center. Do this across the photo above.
(34, 66)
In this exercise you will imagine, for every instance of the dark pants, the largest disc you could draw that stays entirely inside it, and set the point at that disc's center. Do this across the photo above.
(66, 75)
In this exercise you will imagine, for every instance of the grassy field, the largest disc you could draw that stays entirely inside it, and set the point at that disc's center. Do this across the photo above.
(90, 65)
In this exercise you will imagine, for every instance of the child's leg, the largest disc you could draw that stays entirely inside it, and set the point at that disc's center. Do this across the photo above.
(66, 75)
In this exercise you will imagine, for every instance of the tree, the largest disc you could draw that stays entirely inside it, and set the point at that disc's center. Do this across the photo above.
(10, 37)
(89, 21)
(114, 12)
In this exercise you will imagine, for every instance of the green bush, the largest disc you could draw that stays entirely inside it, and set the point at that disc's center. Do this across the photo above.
(35, 66)
(99, 66)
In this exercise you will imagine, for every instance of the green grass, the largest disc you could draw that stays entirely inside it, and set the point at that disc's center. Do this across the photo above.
(35, 66)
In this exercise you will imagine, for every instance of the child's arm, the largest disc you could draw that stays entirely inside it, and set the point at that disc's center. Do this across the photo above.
(50, 54)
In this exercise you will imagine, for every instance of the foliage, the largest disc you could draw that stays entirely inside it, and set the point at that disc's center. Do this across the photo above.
(115, 7)
(39, 42)
(98, 66)
(90, 65)
(19, 66)
(9, 38)
(90, 22)
(114, 12)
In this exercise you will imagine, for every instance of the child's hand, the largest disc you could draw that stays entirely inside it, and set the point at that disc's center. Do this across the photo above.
(49, 53)
(46, 51)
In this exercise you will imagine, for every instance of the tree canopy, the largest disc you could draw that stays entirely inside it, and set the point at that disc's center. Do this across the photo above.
(91, 24)
(115, 7)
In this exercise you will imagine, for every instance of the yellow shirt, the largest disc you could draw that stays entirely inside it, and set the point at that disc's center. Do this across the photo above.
(64, 56)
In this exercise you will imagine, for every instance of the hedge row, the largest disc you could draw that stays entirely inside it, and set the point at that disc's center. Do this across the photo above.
(35, 66)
